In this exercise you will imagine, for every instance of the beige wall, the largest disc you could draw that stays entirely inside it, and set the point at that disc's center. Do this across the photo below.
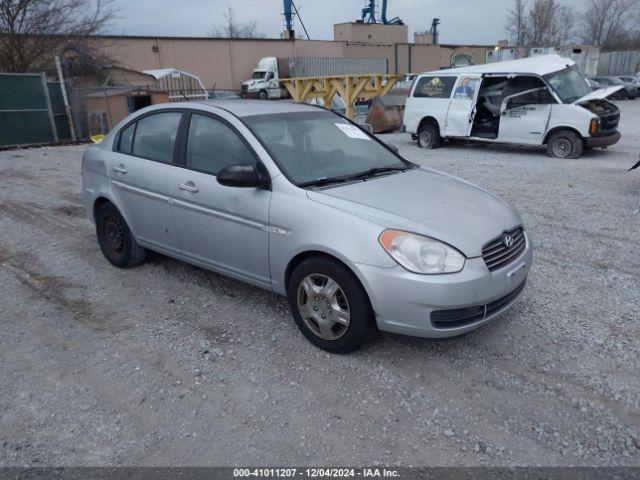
(375, 33)
(225, 63)
(115, 107)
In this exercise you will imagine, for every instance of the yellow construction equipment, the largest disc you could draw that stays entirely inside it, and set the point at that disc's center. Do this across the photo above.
(349, 87)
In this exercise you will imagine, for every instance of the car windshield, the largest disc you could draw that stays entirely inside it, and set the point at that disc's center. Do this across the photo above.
(569, 84)
(314, 148)
(258, 75)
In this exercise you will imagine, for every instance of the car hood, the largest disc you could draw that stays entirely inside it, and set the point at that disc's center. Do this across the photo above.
(599, 94)
(427, 202)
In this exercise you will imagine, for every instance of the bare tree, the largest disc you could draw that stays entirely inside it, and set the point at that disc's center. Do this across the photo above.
(566, 24)
(546, 23)
(234, 29)
(609, 23)
(32, 32)
(517, 23)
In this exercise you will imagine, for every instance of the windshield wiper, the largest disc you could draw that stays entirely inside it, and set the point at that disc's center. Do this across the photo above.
(319, 182)
(372, 172)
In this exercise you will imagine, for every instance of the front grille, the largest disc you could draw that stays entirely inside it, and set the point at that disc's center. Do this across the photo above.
(460, 317)
(245, 88)
(609, 123)
(496, 254)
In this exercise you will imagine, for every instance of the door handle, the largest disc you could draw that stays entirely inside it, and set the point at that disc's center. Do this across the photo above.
(189, 187)
(119, 169)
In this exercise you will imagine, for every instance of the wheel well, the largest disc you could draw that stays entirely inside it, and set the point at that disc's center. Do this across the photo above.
(427, 120)
(98, 203)
(559, 129)
(299, 258)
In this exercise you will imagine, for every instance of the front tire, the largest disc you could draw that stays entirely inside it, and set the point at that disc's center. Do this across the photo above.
(565, 144)
(329, 305)
(116, 240)
(262, 95)
(429, 135)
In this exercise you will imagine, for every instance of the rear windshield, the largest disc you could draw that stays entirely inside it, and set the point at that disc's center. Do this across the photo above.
(434, 87)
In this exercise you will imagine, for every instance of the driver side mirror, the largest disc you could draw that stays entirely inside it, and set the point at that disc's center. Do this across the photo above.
(241, 176)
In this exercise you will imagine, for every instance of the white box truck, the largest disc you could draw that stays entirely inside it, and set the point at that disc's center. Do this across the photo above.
(265, 78)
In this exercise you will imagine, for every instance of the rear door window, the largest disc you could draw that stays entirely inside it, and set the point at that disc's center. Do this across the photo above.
(155, 136)
(434, 87)
(126, 139)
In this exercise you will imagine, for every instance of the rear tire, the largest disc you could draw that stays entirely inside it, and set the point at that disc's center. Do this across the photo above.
(429, 135)
(336, 317)
(116, 240)
(565, 144)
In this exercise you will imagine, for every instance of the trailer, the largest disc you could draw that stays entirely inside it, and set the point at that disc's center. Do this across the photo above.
(265, 82)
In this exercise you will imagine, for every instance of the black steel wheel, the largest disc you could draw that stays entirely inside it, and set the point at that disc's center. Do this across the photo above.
(565, 144)
(115, 239)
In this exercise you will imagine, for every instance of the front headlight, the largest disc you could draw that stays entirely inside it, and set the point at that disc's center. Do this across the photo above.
(420, 254)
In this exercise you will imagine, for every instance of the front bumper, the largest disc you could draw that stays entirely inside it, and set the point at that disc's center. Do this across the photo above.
(403, 301)
(602, 141)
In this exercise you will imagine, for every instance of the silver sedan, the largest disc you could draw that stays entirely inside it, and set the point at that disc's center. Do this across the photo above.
(301, 201)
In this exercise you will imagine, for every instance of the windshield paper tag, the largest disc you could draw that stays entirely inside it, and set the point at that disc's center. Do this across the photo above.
(352, 131)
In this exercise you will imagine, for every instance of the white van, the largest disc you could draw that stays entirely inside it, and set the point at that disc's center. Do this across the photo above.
(542, 100)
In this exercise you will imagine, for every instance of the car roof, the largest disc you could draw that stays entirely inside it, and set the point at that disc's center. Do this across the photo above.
(245, 108)
(538, 65)
(237, 107)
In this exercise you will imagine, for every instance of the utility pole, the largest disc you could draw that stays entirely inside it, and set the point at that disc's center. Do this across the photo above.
(65, 98)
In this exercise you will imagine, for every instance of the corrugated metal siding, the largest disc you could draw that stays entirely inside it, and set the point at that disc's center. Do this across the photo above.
(325, 66)
(619, 63)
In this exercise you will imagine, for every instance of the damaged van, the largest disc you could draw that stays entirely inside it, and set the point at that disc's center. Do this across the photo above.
(543, 100)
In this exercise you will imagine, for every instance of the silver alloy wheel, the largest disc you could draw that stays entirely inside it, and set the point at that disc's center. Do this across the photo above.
(562, 148)
(425, 138)
(323, 306)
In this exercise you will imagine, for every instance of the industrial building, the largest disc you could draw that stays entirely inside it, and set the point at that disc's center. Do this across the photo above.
(225, 63)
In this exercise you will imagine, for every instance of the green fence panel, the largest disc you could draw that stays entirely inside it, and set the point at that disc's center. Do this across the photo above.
(24, 128)
(59, 112)
(24, 111)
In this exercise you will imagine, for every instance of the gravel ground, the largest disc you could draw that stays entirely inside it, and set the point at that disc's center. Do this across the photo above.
(168, 364)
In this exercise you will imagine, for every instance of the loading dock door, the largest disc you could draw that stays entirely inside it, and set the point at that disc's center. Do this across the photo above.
(461, 106)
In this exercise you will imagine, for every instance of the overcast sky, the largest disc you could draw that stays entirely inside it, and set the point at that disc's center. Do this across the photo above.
(463, 21)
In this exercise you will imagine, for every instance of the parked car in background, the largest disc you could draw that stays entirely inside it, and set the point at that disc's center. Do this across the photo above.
(299, 200)
(627, 91)
(223, 95)
(632, 83)
(542, 100)
(594, 85)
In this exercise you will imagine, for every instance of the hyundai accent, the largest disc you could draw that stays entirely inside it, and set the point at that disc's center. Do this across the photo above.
(301, 201)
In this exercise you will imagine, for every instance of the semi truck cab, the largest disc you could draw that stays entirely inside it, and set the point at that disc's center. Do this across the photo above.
(265, 81)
